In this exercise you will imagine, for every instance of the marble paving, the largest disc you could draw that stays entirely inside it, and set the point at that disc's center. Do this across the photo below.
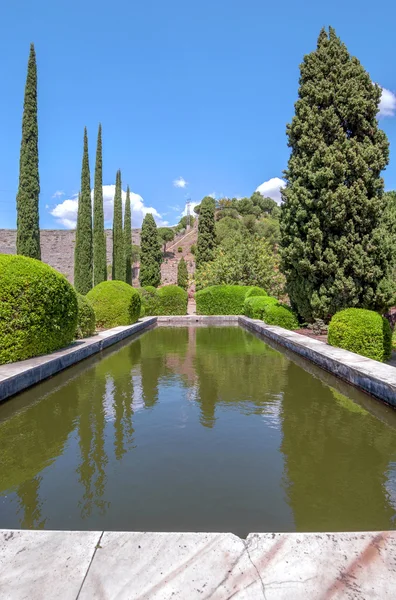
(68, 565)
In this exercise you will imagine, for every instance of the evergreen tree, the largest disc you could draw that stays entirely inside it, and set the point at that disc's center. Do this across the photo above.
(99, 239)
(83, 248)
(128, 238)
(118, 234)
(28, 229)
(332, 251)
(182, 274)
(150, 253)
(206, 231)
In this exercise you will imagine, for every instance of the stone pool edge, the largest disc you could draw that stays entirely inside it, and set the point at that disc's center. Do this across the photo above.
(78, 565)
(18, 376)
(371, 376)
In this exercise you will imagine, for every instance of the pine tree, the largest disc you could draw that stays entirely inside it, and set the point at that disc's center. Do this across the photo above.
(182, 274)
(118, 234)
(99, 239)
(28, 229)
(128, 238)
(332, 252)
(206, 231)
(150, 253)
(83, 270)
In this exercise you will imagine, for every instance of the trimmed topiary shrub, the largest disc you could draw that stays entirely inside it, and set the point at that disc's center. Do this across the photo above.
(222, 299)
(275, 314)
(256, 291)
(255, 306)
(362, 331)
(168, 300)
(86, 319)
(115, 303)
(38, 309)
(180, 249)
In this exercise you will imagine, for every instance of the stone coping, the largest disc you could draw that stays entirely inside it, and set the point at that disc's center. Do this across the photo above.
(371, 376)
(18, 376)
(84, 565)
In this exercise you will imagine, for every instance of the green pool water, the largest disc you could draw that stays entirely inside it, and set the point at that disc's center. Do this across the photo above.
(197, 429)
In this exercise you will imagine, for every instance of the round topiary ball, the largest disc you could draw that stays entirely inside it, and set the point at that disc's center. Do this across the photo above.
(115, 303)
(38, 309)
(86, 318)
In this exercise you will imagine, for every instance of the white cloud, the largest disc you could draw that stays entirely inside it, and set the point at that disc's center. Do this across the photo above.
(65, 213)
(180, 182)
(272, 189)
(387, 107)
(58, 194)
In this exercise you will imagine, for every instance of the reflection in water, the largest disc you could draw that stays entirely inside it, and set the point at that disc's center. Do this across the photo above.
(195, 429)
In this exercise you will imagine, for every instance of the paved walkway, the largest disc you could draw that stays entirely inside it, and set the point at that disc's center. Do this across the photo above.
(64, 565)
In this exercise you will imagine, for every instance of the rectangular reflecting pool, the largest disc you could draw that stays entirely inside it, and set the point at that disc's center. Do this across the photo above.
(197, 429)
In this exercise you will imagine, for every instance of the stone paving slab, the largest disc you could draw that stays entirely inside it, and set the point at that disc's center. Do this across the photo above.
(18, 376)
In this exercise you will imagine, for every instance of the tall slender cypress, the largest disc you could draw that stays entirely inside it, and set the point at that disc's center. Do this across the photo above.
(118, 271)
(83, 247)
(99, 239)
(150, 253)
(28, 229)
(206, 232)
(128, 238)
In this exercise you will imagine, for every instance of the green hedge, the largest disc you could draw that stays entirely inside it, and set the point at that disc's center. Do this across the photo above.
(222, 299)
(255, 306)
(255, 291)
(361, 331)
(168, 300)
(38, 309)
(115, 303)
(281, 316)
(86, 319)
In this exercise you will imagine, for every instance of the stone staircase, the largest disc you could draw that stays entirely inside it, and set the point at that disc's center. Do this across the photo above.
(172, 256)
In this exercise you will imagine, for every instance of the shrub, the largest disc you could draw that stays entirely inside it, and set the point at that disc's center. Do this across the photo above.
(221, 300)
(182, 274)
(180, 249)
(255, 306)
(86, 319)
(193, 249)
(38, 309)
(280, 315)
(256, 291)
(115, 303)
(168, 300)
(361, 331)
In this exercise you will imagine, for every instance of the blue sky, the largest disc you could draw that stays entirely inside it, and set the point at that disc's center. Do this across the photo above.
(195, 90)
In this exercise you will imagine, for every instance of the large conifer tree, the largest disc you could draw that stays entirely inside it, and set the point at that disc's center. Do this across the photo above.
(150, 253)
(99, 239)
(83, 271)
(28, 229)
(332, 252)
(206, 231)
(118, 271)
(128, 237)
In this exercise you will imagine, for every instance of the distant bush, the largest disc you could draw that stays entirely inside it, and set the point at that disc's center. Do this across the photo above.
(255, 306)
(222, 299)
(38, 309)
(115, 303)
(193, 249)
(281, 316)
(182, 274)
(86, 319)
(361, 331)
(180, 249)
(168, 300)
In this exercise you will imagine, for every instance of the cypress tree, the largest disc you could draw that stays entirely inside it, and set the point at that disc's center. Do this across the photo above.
(182, 274)
(99, 239)
(28, 229)
(83, 271)
(332, 252)
(150, 253)
(128, 238)
(118, 271)
(206, 231)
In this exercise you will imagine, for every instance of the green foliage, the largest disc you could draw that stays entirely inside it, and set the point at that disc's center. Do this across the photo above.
(180, 249)
(184, 221)
(182, 274)
(255, 306)
(38, 309)
(361, 331)
(394, 340)
(333, 253)
(168, 300)
(221, 300)
(280, 315)
(85, 318)
(206, 232)
(243, 261)
(99, 239)
(135, 253)
(150, 253)
(128, 238)
(256, 291)
(193, 249)
(119, 262)
(83, 258)
(165, 235)
(227, 227)
(388, 230)
(28, 229)
(115, 303)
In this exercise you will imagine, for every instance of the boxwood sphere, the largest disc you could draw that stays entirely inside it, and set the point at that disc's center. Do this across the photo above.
(38, 309)
(115, 303)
